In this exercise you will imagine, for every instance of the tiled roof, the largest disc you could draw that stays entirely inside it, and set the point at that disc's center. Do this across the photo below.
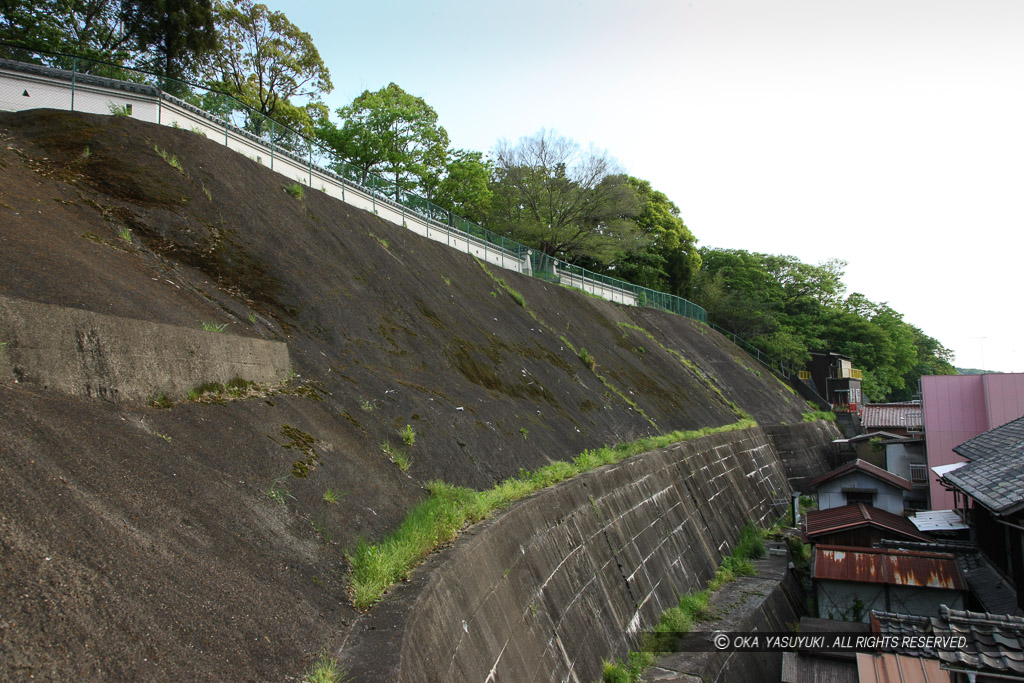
(995, 475)
(994, 441)
(867, 468)
(889, 566)
(994, 642)
(846, 517)
(900, 415)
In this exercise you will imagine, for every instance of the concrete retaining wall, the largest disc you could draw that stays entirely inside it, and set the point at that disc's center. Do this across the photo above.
(771, 601)
(90, 354)
(569, 577)
(805, 450)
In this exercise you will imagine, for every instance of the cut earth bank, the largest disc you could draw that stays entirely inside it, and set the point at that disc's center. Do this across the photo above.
(180, 538)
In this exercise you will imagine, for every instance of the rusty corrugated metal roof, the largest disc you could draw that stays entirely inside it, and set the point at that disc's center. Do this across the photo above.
(888, 565)
(846, 517)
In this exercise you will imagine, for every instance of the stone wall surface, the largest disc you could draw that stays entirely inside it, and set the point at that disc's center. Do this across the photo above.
(569, 577)
(806, 450)
(83, 353)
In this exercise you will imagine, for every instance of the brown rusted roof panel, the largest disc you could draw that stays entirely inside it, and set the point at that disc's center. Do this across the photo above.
(888, 565)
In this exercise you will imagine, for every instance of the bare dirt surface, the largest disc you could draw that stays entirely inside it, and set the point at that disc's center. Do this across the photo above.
(144, 543)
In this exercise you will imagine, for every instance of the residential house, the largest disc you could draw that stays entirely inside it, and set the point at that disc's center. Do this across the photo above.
(861, 482)
(898, 419)
(959, 407)
(906, 458)
(989, 489)
(833, 376)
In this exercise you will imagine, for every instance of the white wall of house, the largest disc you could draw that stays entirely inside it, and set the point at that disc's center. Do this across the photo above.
(886, 496)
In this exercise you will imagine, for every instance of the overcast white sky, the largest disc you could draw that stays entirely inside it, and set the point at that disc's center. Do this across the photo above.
(888, 133)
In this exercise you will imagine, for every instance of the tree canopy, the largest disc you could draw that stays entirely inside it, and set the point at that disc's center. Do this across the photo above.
(788, 309)
(568, 203)
(391, 133)
(270, 64)
(168, 37)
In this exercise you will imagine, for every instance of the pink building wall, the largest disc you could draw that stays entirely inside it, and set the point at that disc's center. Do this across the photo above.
(959, 407)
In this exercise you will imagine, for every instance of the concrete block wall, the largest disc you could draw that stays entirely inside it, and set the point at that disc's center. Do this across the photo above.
(571, 576)
(806, 450)
(120, 359)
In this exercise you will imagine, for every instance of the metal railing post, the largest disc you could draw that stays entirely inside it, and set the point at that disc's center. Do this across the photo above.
(74, 76)
(272, 129)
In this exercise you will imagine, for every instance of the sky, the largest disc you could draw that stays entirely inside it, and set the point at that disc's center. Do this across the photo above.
(886, 133)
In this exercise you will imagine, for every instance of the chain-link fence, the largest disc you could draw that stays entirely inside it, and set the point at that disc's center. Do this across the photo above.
(49, 80)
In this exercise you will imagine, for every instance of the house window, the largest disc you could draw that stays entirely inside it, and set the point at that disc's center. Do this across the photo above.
(918, 473)
(854, 497)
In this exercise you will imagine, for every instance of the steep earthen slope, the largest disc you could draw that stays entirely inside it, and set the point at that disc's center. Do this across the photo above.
(142, 542)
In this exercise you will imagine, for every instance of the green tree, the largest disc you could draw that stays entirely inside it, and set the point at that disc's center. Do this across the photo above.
(268, 63)
(393, 134)
(165, 36)
(175, 37)
(670, 260)
(463, 186)
(94, 29)
(567, 203)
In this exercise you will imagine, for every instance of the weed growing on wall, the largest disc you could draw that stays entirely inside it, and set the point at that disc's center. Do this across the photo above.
(815, 415)
(692, 607)
(171, 159)
(325, 670)
(408, 435)
(332, 496)
(296, 190)
(447, 509)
